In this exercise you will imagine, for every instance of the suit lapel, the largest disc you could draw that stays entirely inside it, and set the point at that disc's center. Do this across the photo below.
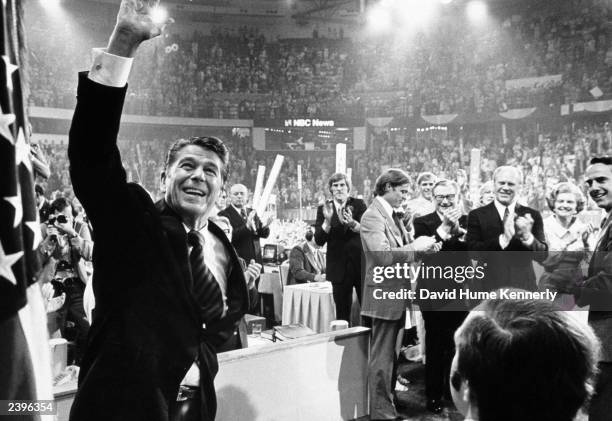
(494, 216)
(175, 249)
(397, 235)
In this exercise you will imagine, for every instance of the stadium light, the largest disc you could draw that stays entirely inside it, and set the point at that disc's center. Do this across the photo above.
(50, 4)
(159, 15)
(476, 11)
(416, 11)
(379, 19)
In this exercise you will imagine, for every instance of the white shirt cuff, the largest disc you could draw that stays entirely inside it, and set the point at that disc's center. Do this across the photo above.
(109, 69)
(503, 242)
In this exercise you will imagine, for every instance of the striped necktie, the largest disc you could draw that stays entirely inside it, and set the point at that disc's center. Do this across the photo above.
(205, 287)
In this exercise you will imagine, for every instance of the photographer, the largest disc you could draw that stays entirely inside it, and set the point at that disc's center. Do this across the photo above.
(68, 244)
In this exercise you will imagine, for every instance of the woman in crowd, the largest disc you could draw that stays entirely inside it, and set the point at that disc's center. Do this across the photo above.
(486, 194)
(568, 241)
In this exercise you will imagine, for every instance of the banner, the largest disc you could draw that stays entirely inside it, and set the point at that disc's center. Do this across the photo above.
(534, 82)
(341, 158)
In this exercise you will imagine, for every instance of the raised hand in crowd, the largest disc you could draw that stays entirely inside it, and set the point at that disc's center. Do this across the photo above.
(135, 24)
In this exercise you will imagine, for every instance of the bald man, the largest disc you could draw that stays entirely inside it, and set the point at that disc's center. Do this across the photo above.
(246, 225)
(505, 236)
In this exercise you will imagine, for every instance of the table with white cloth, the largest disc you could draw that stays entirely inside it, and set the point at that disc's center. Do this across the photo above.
(310, 304)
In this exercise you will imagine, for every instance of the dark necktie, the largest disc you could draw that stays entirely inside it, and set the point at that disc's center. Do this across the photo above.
(205, 287)
(243, 214)
(397, 218)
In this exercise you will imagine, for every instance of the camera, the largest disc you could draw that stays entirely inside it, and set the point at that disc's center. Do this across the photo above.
(60, 219)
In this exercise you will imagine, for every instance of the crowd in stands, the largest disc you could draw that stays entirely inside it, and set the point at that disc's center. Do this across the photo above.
(545, 158)
(242, 74)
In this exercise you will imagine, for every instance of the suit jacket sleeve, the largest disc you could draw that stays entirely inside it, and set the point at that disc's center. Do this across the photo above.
(421, 229)
(296, 266)
(476, 238)
(377, 244)
(95, 164)
(596, 291)
(320, 235)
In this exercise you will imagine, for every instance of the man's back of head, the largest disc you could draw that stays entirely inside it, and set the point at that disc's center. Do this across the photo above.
(523, 360)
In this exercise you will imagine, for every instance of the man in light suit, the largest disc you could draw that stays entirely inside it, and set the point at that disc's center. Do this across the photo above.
(168, 284)
(338, 225)
(596, 290)
(385, 243)
(306, 262)
(506, 237)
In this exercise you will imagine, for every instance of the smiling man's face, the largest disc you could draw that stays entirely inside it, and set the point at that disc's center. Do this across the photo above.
(192, 183)
(598, 178)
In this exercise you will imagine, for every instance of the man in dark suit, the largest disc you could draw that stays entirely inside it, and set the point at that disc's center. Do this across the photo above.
(246, 226)
(596, 290)
(337, 225)
(168, 284)
(306, 262)
(386, 243)
(505, 237)
(442, 316)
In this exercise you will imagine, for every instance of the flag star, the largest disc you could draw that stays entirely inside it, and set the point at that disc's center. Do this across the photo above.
(10, 69)
(34, 226)
(15, 201)
(5, 121)
(22, 149)
(6, 261)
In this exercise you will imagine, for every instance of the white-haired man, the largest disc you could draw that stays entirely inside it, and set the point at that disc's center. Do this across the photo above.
(505, 237)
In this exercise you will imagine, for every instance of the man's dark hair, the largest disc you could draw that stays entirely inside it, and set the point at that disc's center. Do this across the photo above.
(39, 190)
(59, 204)
(394, 177)
(338, 177)
(525, 360)
(606, 160)
(210, 143)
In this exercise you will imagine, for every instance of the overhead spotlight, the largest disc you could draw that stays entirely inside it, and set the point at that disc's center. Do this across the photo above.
(477, 11)
(159, 15)
(50, 4)
(416, 11)
(379, 19)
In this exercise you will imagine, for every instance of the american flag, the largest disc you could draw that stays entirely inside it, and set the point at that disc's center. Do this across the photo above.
(25, 371)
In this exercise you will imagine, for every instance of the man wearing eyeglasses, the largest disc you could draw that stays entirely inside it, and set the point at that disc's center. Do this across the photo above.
(442, 316)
